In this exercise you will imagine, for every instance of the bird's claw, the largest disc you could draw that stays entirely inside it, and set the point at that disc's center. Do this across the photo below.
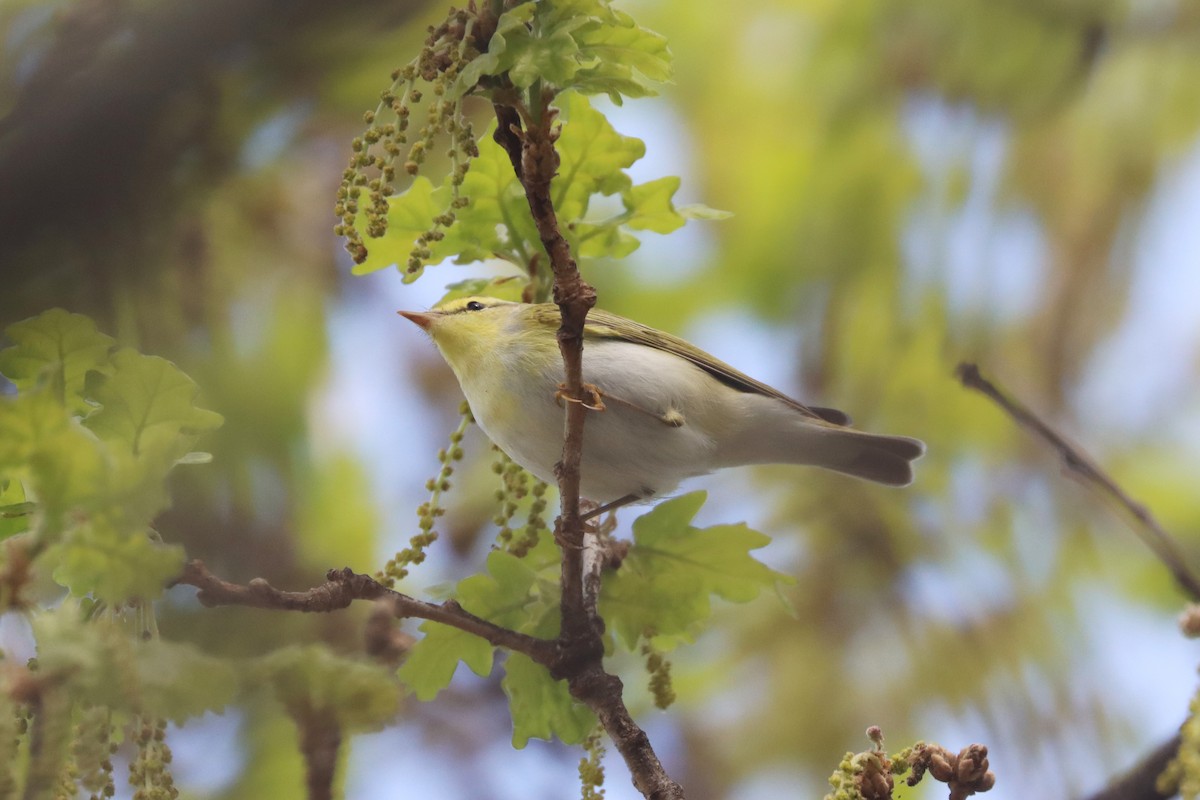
(591, 392)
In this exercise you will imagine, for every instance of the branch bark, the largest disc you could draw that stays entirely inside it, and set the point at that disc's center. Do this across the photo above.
(586, 678)
(1080, 465)
(1140, 783)
(341, 588)
(528, 136)
(320, 739)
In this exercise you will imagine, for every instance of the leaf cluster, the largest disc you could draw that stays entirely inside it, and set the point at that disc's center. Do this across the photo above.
(663, 589)
(581, 45)
(536, 52)
(85, 449)
(496, 221)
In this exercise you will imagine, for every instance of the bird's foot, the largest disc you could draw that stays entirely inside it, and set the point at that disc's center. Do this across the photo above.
(592, 400)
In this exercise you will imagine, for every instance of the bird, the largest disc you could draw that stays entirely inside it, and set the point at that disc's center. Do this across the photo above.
(663, 410)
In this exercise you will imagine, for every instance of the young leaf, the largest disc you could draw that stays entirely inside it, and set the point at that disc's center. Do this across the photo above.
(179, 681)
(541, 707)
(147, 406)
(496, 222)
(60, 463)
(433, 660)
(113, 564)
(666, 582)
(58, 347)
(498, 58)
(583, 45)
(517, 593)
(623, 58)
(360, 696)
(410, 214)
(593, 158)
(102, 664)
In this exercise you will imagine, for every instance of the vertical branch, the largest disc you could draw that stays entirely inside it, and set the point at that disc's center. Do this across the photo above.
(529, 139)
(535, 161)
(320, 738)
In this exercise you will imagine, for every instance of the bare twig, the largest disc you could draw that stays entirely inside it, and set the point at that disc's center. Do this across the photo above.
(1140, 783)
(1146, 527)
(342, 587)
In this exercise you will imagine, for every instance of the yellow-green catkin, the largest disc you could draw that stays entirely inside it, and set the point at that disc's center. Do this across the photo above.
(591, 770)
(659, 669)
(396, 568)
(48, 737)
(150, 770)
(1182, 775)
(515, 486)
(91, 750)
(370, 178)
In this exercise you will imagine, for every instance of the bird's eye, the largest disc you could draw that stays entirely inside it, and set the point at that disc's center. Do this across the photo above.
(474, 305)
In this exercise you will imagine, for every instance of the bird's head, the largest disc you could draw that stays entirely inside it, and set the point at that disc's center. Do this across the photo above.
(468, 328)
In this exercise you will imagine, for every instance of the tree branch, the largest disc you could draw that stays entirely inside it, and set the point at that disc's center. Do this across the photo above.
(320, 739)
(1140, 783)
(341, 588)
(581, 649)
(1080, 465)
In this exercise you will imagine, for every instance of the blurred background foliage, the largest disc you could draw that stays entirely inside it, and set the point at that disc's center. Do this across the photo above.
(913, 183)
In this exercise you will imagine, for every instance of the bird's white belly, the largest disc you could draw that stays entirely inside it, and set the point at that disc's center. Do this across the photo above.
(629, 448)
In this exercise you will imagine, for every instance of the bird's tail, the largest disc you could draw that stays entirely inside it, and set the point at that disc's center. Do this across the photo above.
(873, 457)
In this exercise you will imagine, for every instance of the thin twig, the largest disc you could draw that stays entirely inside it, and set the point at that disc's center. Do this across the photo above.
(342, 587)
(1147, 527)
(1141, 782)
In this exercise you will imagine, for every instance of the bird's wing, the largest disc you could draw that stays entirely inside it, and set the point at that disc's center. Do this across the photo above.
(604, 325)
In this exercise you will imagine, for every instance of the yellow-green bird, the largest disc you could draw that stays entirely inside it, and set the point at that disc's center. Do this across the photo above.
(665, 410)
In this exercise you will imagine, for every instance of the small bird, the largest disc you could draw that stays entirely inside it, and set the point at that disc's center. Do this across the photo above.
(664, 409)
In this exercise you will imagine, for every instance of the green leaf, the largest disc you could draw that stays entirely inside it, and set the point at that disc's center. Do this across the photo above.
(15, 511)
(650, 207)
(542, 707)
(102, 662)
(147, 406)
(179, 681)
(510, 287)
(431, 663)
(593, 158)
(56, 347)
(584, 45)
(309, 679)
(622, 58)
(516, 593)
(666, 582)
(496, 221)
(410, 214)
(61, 464)
(113, 564)
(546, 53)
(498, 58)
(701, 211)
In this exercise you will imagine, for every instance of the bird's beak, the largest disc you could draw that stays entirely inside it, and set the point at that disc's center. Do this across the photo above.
(419, 319)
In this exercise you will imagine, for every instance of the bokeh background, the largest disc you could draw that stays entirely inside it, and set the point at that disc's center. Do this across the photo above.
(913, 182)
